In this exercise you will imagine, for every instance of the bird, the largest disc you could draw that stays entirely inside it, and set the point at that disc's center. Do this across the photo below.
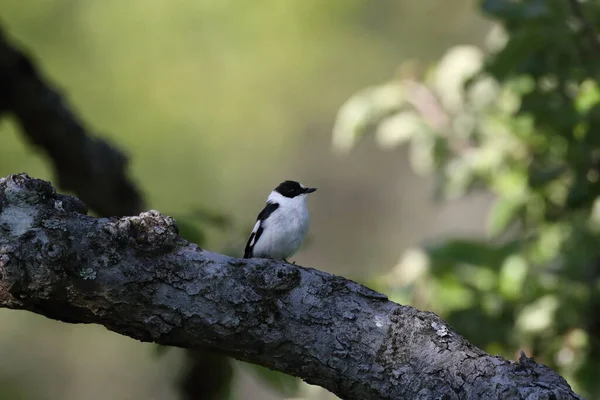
(282, 225)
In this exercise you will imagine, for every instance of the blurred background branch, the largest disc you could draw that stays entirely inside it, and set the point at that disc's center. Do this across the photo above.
(95, 171)
(89, 166)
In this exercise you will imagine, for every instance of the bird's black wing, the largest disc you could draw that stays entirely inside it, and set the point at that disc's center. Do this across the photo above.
(258, 228)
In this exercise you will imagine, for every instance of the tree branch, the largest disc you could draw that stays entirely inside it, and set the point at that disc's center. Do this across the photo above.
(86, 165)
(137, 277)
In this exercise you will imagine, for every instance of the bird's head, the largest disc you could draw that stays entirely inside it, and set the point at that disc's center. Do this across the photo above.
(289, 191)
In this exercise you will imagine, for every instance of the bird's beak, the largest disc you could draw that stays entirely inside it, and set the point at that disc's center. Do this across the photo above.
(310, 190)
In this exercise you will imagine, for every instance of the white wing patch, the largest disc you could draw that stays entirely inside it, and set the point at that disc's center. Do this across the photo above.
(256, 226)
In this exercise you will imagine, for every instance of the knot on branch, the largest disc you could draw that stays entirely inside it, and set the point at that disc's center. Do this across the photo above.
(543, 375)
(526, 361)
(69, 204)
(151, 230)
(280, 278)
(20, 189)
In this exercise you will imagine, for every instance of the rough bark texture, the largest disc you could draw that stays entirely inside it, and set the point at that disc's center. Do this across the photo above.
(137, 277)
(84, 164)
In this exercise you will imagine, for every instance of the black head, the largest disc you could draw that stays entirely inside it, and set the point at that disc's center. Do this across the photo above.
(292, 189)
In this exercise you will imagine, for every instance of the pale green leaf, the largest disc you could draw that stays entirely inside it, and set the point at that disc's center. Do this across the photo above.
(397, 129)
(512, 277)
(538, 316)
(504, 212)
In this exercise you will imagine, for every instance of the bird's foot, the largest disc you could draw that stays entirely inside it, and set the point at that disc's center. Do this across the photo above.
(293, 262)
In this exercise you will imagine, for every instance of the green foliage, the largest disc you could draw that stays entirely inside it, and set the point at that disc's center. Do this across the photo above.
(519, 120)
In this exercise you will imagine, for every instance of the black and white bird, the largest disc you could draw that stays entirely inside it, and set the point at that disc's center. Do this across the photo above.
(282, 225)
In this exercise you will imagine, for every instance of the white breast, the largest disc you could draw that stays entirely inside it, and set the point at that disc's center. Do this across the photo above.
(284, 230)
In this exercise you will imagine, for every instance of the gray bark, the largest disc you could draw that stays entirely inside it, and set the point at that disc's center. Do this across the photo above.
(137, 277)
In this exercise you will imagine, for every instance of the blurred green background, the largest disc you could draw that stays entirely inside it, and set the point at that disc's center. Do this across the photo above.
(218, 101)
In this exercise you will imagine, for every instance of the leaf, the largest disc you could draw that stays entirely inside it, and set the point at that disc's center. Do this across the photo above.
(519, 56)
(504, 213)
(539, 177)
(397, 129)
(452, 295)
(588, 97)
(456, 67)
(364, 110)
(285, 384)
(581, 194)
(512, 277)
(539, 315)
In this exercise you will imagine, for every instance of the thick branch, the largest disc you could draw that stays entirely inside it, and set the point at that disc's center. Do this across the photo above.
(84, 164)
(137, 277)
